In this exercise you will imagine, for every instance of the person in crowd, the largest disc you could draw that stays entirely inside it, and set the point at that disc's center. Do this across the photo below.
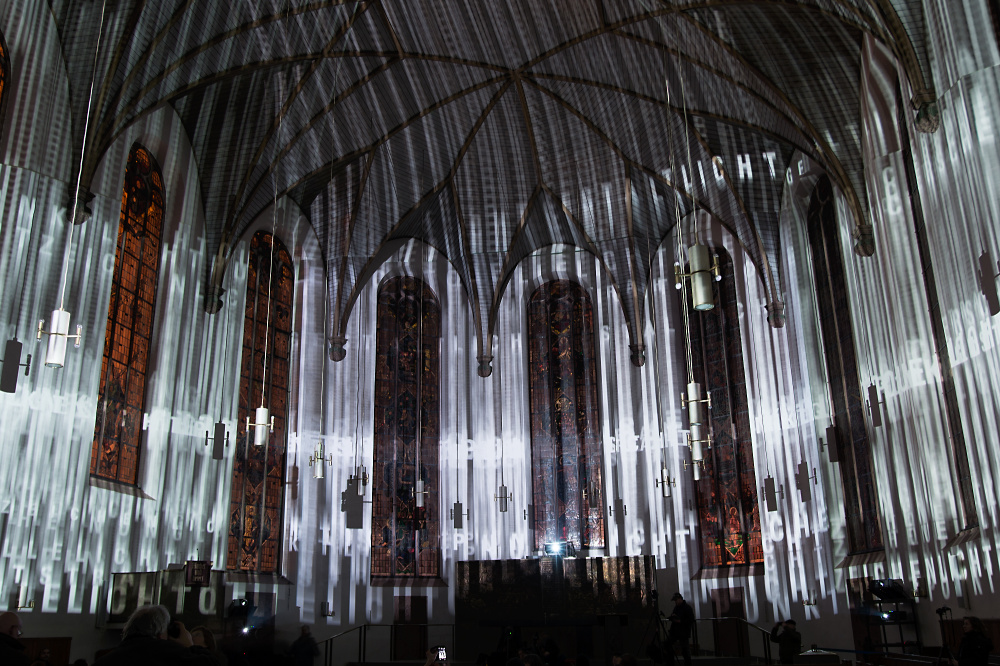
(178, 633)
(975, 648)
(204, 643)
(789, 641)
(304, 649)
(681, 623)
(11, 649)
(549, 651)
(145, 641)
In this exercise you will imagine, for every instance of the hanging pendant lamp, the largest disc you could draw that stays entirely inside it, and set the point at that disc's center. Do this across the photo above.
(59, 321)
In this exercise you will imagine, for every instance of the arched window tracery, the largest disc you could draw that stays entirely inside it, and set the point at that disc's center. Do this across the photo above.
(405, 535)
(257, 499)
(121, 396)
(726, 494)
(567, 487)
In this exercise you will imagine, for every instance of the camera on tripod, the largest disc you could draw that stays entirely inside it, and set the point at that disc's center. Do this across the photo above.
(941, 611)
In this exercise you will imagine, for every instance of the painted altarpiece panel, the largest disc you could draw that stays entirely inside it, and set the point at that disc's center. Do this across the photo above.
(567, 488)
(257, 500)
(405, 536)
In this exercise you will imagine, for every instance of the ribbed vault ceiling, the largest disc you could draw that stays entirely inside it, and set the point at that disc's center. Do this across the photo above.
(492, 129)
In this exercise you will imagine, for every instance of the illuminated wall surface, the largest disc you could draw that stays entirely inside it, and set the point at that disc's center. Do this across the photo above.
(63, 537)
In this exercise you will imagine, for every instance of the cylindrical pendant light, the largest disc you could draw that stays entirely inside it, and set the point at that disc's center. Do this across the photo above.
(702, 297)
(502, 497)
(665, 480)
(262, 427)
(55, 353)
(696, 439)
(318, 461)
(419, 492)
(696, 414)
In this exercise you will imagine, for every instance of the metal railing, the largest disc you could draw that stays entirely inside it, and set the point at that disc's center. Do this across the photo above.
(732, 637)
(378, 642)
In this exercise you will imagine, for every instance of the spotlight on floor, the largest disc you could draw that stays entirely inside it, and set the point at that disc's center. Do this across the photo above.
(560, 549)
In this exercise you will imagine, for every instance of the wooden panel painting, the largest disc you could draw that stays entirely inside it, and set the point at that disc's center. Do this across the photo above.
(257, 499)
(567, 488)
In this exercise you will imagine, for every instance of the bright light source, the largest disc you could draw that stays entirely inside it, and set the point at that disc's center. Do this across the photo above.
(55, 354)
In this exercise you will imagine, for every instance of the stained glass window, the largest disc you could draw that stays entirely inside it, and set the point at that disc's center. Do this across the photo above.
(728, 511)
(257, 499)
(567, 490)
(407, 430)
(864, 531)
(115, 452)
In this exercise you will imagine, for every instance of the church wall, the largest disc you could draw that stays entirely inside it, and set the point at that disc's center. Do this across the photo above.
(957, 168)
(912, 452)
(62, 538)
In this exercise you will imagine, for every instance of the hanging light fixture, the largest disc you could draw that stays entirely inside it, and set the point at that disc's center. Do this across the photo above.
(220, 438)
(458, 515)
(702, 264)
(59, 321)
(700, 279)
(502, 496)
(665, 482)
(263, 423)
(360, 475)
(12, 350)
(262, 427)
(418, 490)
(693, 401)
(12, 365)
(318, 460)
(696, 467)
(704, 267)
(357, 481)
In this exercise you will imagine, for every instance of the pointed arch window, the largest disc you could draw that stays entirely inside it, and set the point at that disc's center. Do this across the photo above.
(864, 530)
(728, 510)
(121, 395)
(407, 429)
(567, 489)
(256, 504)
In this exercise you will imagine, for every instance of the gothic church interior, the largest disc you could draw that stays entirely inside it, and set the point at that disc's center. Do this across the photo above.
(375, 316)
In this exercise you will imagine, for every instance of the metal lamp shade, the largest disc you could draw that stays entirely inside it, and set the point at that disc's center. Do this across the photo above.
(702, 297)
(261, 431)
(319, 462)
(55, 354)
(696, 414)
